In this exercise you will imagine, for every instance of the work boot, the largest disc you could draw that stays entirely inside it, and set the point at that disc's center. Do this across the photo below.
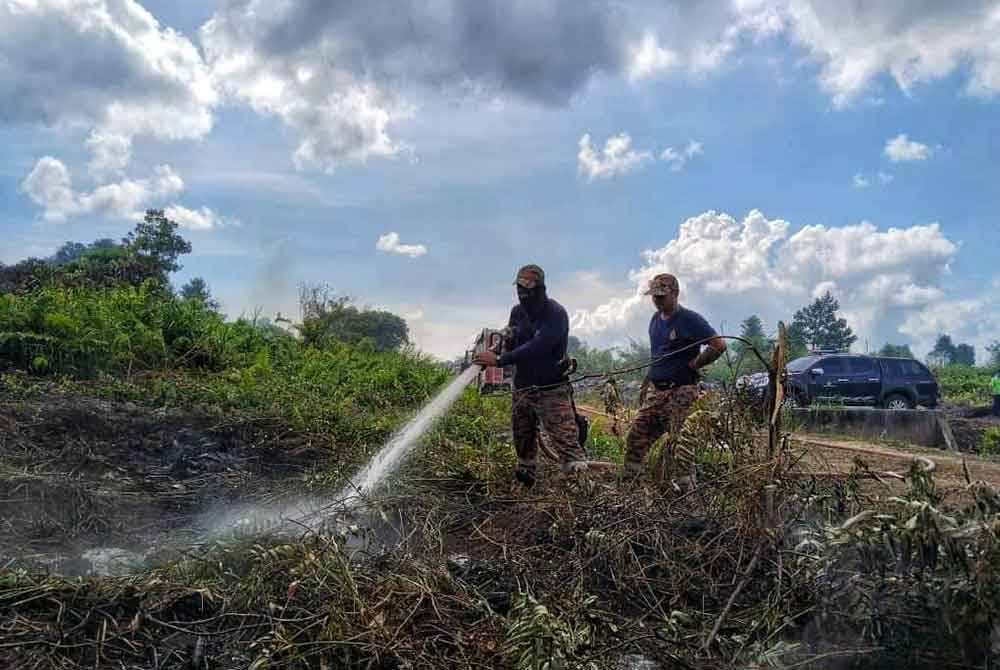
(525, 477)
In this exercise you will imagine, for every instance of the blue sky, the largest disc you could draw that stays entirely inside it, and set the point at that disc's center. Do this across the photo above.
(814, 147)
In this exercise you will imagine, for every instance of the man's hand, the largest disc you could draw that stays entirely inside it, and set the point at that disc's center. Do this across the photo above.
(716, 347)
(485, 358)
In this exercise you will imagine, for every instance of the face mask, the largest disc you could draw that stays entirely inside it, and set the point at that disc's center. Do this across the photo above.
(530, 299)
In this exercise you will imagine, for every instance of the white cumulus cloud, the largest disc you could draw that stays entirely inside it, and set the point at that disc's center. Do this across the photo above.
(912, 42)
(649, 58)
(50, 186)
(616, 158)
(197, 219)
(901, 148)
(678, 158)
(390, 244)
(104, 64)
(729, 269)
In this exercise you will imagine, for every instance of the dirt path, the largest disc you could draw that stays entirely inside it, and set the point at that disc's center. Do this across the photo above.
(822, 454)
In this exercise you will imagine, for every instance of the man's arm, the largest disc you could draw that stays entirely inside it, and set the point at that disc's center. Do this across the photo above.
(543, 341)
(716, 347)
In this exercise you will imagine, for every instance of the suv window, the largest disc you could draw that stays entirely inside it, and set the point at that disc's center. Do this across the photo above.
(893, 368)
(832, 366)
(800, 364)
(860, 365)
(904, 368)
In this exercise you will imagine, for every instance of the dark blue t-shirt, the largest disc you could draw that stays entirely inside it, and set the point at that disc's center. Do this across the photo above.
(665, 335)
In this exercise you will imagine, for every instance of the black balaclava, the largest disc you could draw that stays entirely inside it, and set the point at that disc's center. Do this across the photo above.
(532, 300)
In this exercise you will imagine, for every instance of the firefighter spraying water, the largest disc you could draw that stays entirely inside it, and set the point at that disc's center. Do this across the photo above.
(534, 343)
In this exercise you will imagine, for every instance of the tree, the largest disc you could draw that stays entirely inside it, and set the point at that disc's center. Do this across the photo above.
(751, 329)
(896, 351)
(965, 354)
(327, 317)
(154, 248)
(67, 253)
(994, 350)
(817, 325)
(943, 352)
(197, 290)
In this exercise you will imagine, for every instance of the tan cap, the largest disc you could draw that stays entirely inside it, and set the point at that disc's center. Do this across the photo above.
(662, 284)
(530, 276)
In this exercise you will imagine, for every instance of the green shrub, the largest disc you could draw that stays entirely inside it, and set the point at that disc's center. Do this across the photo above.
(989, 444)
(964, 384)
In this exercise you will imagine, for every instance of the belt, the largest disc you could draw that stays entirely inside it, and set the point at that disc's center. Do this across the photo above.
(665, 386)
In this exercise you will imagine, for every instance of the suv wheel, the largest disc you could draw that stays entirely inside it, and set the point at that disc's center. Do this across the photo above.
(898, 401)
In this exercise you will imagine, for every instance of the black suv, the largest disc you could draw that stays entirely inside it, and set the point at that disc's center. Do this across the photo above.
(852, 379)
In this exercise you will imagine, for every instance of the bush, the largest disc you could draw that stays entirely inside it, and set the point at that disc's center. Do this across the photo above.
(964, 384)
(989, 444)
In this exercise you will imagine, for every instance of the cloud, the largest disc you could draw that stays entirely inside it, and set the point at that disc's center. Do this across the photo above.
(913, 42)
(974, 320)
(730, 269)
(678, 158)
(104, 64)
(198, 219)
(902, 148)
(336, 72)
(390, 244)
(648, 59)
(110, 153)
(50, 186)
(616, 158)
(863, 181)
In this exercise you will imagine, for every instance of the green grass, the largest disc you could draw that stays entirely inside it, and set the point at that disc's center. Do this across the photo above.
(144, 345)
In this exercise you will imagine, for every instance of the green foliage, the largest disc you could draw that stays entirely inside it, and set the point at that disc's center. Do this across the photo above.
(197, 290)
(147, 254)
(84, 331)
(328, 318)
(818, 325)
(989, 444)
(597, 360)
(946, 352)
(964, 384)
(965, 354)
(605, 446)
(350, 394)
(896, 351)
(155, 246)
(540, 639)
(897, 576)
(994, 352)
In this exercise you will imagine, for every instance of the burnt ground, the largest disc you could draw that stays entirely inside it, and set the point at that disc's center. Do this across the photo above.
(87, 484)
(969, 423)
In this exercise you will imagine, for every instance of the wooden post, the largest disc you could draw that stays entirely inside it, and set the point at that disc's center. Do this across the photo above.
(776, 392)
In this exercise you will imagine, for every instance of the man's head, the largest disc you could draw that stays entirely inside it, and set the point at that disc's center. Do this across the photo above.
(664, 289)
(530, 283)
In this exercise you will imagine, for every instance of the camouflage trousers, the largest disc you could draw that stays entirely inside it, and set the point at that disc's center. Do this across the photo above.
(661, 411)
(552, 409)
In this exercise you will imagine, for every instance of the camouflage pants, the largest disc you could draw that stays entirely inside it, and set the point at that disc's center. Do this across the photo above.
(553, 410)
(661, 411)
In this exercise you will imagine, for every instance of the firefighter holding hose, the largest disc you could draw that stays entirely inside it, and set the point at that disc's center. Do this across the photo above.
(538, 336)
